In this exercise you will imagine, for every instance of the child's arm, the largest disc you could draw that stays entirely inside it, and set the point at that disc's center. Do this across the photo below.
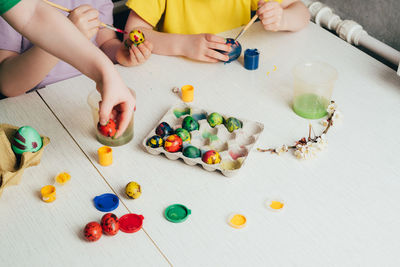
(290, 15)
(21, 72)
(195, 46)
(47, 28)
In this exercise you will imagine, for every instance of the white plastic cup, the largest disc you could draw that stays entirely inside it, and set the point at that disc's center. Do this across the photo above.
(93, 100)
(313, 86)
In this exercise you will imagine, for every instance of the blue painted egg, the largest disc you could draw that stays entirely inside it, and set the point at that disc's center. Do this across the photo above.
(236, 49)
(164, 129)
(155, 141)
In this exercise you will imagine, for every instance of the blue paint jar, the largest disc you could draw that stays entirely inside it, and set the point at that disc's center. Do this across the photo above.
(251, 57)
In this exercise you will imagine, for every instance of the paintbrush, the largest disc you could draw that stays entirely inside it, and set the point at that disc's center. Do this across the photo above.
(247, 26)
(108, 26)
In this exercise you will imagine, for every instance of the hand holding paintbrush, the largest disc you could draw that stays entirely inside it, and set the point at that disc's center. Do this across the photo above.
(89, 14)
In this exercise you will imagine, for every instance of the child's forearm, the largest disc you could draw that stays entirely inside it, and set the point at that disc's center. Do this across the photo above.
(23, 72)
(48, 28)
(110, 48)
(295, 17)
(167, 44)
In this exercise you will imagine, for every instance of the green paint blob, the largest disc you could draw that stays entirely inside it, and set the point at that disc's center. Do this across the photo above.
(181, 112)
(310, 106)
(208, 135)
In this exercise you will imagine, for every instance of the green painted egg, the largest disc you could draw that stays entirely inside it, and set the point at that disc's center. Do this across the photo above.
(183, 133)
(26, 139)
(190, 124)
(215, 119)
(232, 124)
(191, 152)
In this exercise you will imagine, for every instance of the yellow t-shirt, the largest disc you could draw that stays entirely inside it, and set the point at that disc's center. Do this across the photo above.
(194, 16)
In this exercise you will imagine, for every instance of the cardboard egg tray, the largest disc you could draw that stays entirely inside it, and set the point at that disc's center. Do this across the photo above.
(11, 168)
(233, 147)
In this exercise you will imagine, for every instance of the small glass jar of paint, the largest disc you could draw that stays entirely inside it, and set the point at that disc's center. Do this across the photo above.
(313, 86)
(93, 100)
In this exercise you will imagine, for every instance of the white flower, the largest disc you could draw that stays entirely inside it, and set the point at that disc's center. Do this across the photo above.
(325, 123)
(281, 150)
(298, 154)
(321, 142)
(306, 151)
(338, 116)
(331, 108)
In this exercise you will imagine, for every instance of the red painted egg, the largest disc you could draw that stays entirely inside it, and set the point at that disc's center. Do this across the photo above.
(109, 224)
(211, 157)
(173, 143)
(92, 231)
(109, 130)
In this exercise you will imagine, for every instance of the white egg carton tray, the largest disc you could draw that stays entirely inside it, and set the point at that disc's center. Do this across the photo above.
(233, 147)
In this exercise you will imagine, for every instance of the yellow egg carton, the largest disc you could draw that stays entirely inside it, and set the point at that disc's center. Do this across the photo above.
(232, 146)
(12, 168)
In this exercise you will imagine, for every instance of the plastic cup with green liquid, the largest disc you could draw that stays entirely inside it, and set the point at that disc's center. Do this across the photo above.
(313, 86)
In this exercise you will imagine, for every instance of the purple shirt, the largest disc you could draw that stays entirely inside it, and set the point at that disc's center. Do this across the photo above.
(13, 41)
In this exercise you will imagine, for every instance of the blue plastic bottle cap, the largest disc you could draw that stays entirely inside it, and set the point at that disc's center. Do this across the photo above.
(251, 57)
(106, 202)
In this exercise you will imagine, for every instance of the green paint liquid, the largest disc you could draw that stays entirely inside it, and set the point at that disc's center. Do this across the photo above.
(208, 135)
(310, 106)
(181, 112)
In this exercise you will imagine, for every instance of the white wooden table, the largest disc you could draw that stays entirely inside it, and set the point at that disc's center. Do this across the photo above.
(342, 207)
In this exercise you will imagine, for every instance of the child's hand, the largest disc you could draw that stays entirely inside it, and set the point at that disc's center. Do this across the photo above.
(86, 20)
(118, 103)
(270, 14)
(134, 55)
(203, 47)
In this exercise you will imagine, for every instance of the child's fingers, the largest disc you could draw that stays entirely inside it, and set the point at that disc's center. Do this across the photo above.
(124, 118)
(216, 55)
(215, 38)
(138, 54)
(146, 52)
(93, 24)
(269, 21)
(81, 9)
(267, 7)
(105, 108)
(219, 46)
(91, 14)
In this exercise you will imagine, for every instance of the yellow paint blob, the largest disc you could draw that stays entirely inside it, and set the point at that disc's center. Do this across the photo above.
(227, 165)
(276, 205)
(62, 178)
(237, 221)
